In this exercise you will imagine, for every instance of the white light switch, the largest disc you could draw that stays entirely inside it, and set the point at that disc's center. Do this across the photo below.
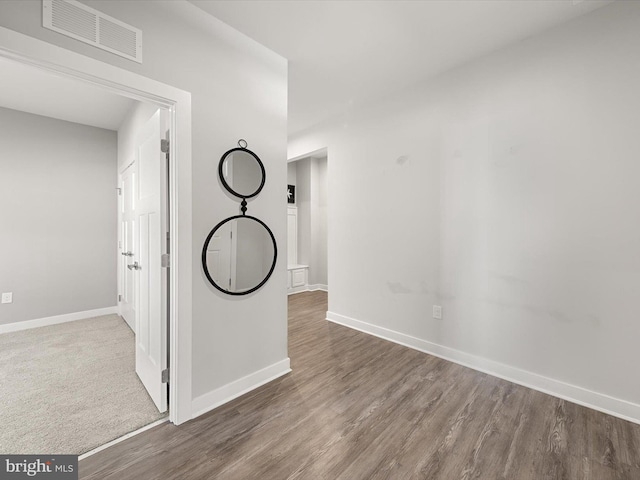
(7, 297)
(437, 312)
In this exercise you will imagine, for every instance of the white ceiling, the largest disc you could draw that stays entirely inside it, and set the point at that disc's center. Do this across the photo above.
(30, 89)
(344, 53)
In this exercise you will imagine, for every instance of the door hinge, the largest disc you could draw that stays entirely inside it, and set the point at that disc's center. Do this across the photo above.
(165, 375)
(165, 260)
(119, 190)
(164, 145)
(119, 298)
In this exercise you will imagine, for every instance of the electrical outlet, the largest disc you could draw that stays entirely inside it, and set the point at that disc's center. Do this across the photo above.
(7, 297)
(437, 312)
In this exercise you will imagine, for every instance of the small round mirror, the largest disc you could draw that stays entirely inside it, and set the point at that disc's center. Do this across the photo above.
(239, 255)
(241, 172)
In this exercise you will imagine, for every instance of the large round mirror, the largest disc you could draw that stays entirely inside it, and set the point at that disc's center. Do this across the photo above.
(241, 172)
(239, 255)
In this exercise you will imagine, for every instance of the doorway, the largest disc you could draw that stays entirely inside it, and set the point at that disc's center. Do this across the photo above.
(63, 63)
(307, 223)
(68, 352)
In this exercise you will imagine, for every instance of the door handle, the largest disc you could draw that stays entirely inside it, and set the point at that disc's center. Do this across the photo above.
(127, 254)
(135, 266)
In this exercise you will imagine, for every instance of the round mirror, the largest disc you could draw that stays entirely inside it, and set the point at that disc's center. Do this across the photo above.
(239, 255)
(241, 172)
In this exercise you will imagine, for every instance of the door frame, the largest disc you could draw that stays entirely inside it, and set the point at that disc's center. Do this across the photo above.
(51, 58)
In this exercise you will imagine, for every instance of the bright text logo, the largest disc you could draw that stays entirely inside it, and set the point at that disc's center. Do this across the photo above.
(58, 467)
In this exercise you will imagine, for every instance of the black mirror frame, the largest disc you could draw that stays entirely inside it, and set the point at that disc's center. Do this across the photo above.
(206, 244)
(227, 186)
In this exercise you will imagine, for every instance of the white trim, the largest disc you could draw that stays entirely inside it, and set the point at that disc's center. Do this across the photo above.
(308, 288)
(300, 289)
(56, 319)
(573, 393)
(37, 53)
(123, 438)
(319, 153)
(226, 393)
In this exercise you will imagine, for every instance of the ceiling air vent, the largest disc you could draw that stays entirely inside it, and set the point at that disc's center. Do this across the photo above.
(88, 25)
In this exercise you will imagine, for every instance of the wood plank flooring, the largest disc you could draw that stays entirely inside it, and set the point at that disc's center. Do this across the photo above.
(358, 407)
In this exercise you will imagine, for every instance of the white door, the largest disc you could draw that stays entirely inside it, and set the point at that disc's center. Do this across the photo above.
(150, 236)
(127, 246)
(219, 256)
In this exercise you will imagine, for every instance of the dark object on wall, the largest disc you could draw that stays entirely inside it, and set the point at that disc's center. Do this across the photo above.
(240, 253)
(249, 245)
(242, 172)
(291, 194)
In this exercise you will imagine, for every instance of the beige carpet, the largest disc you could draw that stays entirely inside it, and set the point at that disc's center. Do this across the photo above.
(69, 388)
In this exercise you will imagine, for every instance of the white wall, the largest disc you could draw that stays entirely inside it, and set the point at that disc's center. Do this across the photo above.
(507, 192)
(318, 274)
(58, 202)
(303, 202)
(239, 90)
(291, 173)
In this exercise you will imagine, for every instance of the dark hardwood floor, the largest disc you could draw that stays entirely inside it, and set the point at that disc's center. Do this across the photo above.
(357, 407)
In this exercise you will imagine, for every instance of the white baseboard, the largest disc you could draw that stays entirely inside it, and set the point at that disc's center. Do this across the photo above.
(209, 401)
(67, 317)
(308, 288)
(294, 290)
(573, 393)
